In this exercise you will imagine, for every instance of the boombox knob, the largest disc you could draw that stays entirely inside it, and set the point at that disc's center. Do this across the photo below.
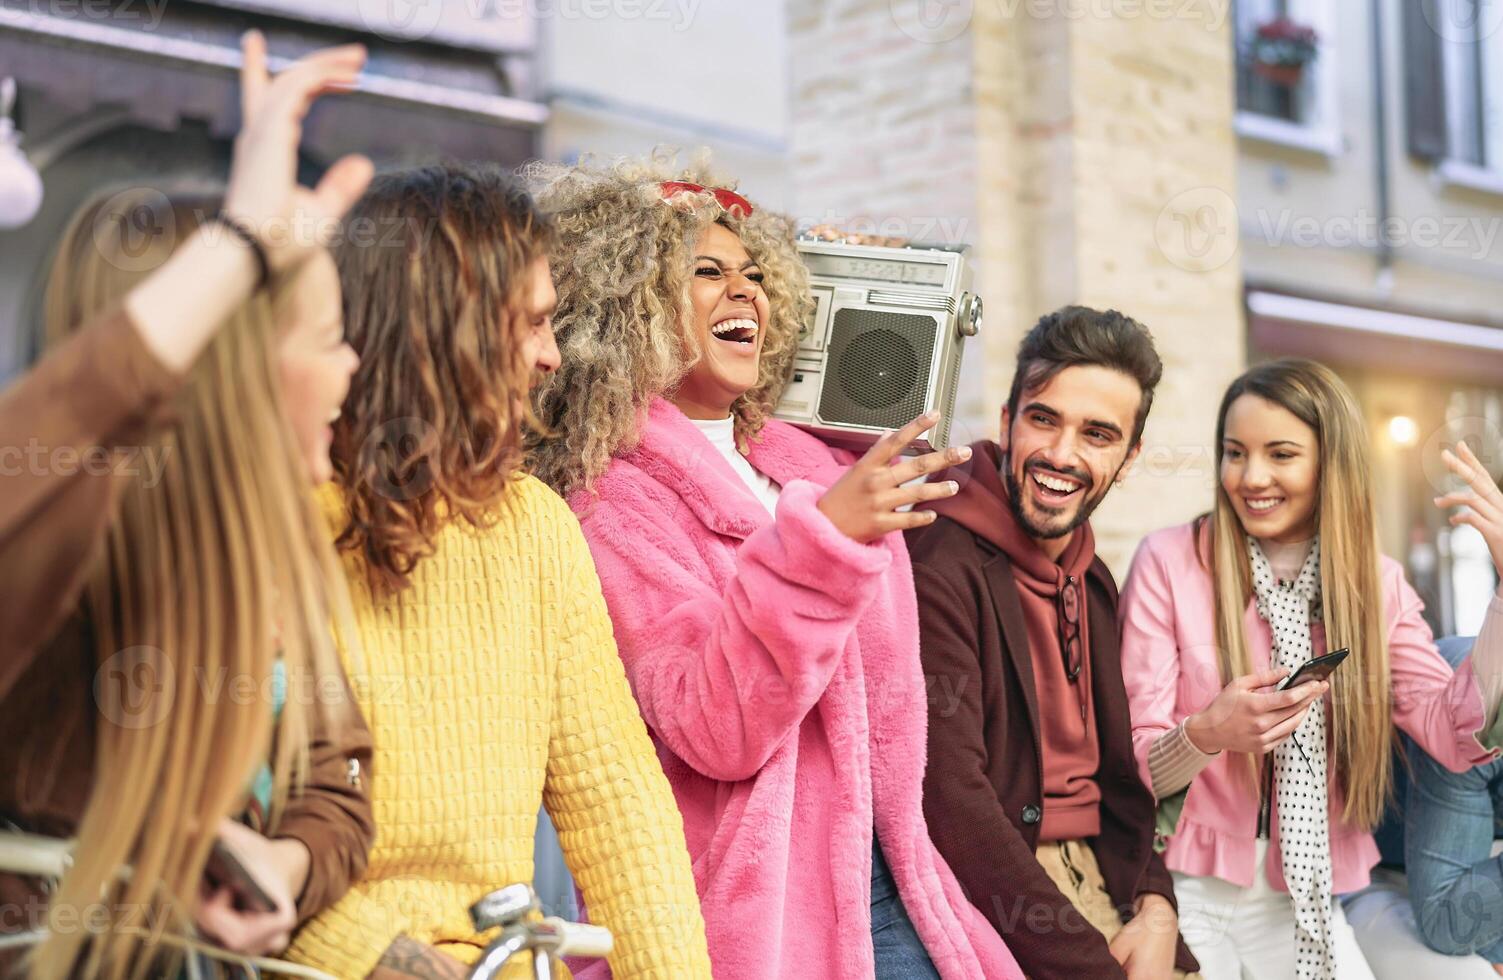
(968, 321)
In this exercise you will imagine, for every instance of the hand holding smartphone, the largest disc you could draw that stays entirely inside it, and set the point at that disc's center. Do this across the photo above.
(1315, 669)
(225, 869)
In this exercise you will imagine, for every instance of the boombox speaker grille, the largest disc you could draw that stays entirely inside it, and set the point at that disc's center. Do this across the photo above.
(878, 368)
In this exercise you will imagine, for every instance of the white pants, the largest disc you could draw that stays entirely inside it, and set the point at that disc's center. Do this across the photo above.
(1248, 933)
(1383, 921)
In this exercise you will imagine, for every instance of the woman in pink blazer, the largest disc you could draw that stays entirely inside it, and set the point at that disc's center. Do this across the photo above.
(1217, 612)
(763, 606)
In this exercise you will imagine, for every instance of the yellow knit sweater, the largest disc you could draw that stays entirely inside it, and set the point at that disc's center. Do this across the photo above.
(491, 683)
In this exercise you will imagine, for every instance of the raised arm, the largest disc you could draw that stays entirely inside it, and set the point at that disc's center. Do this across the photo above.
(724, 676)
(66, 425)
(1480, 505)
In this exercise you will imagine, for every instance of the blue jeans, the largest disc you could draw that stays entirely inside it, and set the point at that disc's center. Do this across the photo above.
(899, 952)
(1450, 820)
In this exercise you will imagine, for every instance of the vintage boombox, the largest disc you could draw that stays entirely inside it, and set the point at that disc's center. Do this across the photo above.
(884, 342)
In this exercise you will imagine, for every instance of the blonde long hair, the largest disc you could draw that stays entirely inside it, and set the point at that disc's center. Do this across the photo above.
(202, 578)
(1350, 585)
(623, 269)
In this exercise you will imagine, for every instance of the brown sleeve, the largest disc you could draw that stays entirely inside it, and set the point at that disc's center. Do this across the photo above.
(1157, 880)
(332, 816)
(65, 433)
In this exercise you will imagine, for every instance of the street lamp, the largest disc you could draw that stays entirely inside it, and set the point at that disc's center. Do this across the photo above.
(20, 184)
(1403, 431)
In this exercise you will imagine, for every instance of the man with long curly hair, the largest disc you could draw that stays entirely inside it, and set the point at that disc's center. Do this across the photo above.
(490, 677)
(763, 603)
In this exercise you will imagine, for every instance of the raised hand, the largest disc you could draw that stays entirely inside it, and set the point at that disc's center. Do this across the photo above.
(864, 502)
(1481, 500)
(263, 195)
(1248, 717)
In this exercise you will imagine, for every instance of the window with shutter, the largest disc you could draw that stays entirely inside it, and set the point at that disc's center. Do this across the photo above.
(1472, 60)
(1286, 86)
(1424, 80)
(1453, 52)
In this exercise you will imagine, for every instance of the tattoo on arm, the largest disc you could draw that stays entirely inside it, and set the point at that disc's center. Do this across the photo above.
(408, 959)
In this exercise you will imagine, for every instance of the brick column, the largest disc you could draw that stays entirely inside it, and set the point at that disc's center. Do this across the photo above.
(1085, 149)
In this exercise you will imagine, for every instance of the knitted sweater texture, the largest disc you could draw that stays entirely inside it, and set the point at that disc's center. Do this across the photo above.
(490, 683)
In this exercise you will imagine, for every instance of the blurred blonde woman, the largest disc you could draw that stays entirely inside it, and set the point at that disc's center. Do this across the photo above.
(763, 605)
(171, 608)
(1216, 613)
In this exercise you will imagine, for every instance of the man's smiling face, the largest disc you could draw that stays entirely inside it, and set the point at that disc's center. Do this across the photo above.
(1070, 440)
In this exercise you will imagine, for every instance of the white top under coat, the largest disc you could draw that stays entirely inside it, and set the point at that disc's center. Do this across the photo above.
(722, 435)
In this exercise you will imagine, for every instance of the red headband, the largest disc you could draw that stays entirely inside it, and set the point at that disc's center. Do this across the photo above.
(729, 201)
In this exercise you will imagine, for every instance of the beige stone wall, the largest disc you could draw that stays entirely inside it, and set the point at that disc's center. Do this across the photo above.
(1101, 169)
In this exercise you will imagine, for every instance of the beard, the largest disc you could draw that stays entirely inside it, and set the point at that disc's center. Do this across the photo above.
(1056, 524)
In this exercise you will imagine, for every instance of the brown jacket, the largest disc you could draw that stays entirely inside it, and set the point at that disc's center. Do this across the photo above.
(983, 788)
(102, 388)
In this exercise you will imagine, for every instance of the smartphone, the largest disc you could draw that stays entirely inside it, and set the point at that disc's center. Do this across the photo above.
(1315, 669)
(224, 868)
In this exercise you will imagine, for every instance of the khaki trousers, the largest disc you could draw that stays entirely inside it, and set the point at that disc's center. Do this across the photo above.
(1071, 865)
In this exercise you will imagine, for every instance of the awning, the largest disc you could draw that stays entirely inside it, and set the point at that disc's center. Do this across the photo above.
(1339, 333)
(440, 101)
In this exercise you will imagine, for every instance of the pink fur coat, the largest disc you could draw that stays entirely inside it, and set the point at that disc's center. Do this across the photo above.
(776, 662)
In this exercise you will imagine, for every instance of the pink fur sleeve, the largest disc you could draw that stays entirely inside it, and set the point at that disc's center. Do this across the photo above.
(725, 672)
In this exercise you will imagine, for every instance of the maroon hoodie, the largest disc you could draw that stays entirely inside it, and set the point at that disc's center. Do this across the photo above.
(1052, 595)
(1005, 732)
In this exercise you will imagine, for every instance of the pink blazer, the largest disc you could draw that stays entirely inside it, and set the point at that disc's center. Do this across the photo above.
(776, 663)
(1170, 669)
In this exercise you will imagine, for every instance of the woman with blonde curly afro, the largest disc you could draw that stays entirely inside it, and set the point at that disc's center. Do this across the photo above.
(760, 590)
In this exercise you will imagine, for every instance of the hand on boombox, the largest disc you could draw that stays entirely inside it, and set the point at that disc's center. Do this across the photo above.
(864, 502)
(830, 233)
